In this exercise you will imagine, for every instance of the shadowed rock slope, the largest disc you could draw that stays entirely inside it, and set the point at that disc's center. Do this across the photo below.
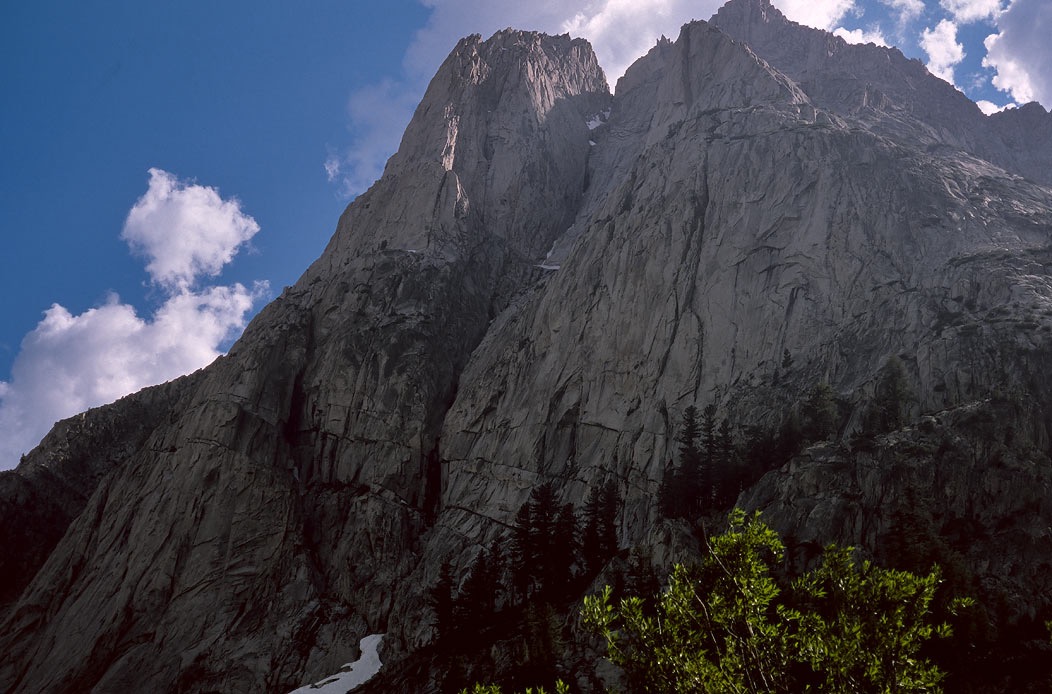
(533, 292)
(254, 535)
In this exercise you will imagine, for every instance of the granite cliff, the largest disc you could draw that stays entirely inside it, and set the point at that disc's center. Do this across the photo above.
(544, 278)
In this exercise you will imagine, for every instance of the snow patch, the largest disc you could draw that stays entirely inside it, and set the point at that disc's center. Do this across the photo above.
(598, 119)
(546, 265)
(352, 674)
(555, 243)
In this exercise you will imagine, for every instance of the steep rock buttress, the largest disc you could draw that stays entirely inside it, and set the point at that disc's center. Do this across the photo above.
(251, 541)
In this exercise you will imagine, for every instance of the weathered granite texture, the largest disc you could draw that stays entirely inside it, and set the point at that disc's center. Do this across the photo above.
(275, 514)
(536, 291)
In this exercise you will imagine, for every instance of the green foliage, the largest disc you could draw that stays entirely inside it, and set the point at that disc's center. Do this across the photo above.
(599, 534)
(641, 578)
(478, 596)
(688, 431)
(549, 549)
(891, 399)
(441, 598)
(562, 549)
(710, 633)
(860, 628)
(541, 557)
(820, 413)
(708, 433)
(560, 688)
(727, 626)
(683, 484)
(706, 454)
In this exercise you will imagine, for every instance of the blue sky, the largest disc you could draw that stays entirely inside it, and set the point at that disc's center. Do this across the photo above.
(169, 167)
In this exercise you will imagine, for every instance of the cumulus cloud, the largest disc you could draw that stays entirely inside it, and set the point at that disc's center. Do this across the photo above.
(944, 53)
(990, 108)
(965, 11)
(70, 363)
(907, 10)
(185, 230)
(1021, 52)
(861, 36)
(621, 31)
(822, 14)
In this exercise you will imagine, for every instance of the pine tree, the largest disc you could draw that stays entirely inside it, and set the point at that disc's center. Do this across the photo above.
(523, 561)
(891, 398)
(591, 553)
(641, 579)
(670, 492)
(496, 570)
(534, 537)
(441, 599)
(789, 440)
(477, 599)
(691, 475)
(725, 477)
(563, 550)
(709, 462)
(610, 504)
(599, 536)
(819, 413)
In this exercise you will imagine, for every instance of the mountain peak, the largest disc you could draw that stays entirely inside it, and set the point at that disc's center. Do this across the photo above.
(762, 208)
(743, 13)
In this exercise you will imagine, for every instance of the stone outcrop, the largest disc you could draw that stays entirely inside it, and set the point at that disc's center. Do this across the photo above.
(987, 496)
(251, 540)
(53, 483)
(545, 277)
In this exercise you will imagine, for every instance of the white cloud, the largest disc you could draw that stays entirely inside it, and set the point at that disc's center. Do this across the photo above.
(378, 114)
(944, 53)
(822, 14)
(861, 36)
(332, 165)
(185, 230)
(621, 31)
(908, 10)
(70, 363)
(965, 11)
(989, 107)
(1020, 54)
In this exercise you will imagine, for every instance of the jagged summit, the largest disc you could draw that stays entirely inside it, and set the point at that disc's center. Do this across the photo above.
(877, 85)
(896, 95)
(755, 189)
(744, 13)
(472, 136)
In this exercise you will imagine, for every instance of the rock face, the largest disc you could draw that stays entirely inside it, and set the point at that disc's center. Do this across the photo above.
(536, 291)
(54, 482)
(255, 536)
